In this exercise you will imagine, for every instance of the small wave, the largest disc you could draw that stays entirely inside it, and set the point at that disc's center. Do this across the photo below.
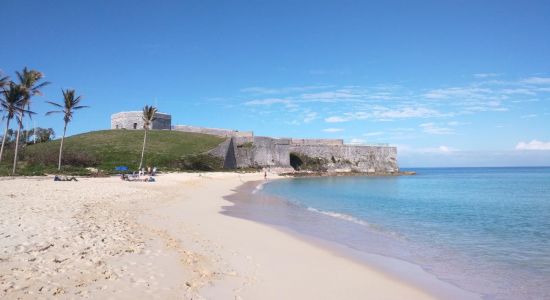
(340, 216)
(258, 188)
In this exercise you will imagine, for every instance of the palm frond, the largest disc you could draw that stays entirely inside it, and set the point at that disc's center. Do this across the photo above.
(54, 112)
(54, 104)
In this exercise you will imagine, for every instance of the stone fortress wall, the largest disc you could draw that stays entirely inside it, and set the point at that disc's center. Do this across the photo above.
(242, 149)
(266, 152)
(214, 131)
(134, 120)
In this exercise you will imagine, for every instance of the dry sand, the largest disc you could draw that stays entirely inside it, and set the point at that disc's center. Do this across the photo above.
(105, 238)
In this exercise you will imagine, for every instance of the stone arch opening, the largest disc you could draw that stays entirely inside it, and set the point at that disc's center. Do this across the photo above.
(295, 161)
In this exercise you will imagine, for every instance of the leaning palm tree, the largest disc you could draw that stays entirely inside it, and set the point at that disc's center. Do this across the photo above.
(70, 104)
(148, 118)
(11, 103)
(30, 86)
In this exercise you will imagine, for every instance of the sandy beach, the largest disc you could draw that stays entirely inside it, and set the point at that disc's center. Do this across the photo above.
(105, 238)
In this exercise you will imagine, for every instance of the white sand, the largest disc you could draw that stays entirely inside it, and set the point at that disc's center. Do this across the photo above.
(104, 238)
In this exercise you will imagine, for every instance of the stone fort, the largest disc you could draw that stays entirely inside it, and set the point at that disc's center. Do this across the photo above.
(242, 149)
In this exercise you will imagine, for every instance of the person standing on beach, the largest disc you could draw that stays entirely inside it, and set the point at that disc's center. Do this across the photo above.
(265, 175)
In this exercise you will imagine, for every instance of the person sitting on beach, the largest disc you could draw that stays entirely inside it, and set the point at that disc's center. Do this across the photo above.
(64, 178)
(149, 179)
(154, 171)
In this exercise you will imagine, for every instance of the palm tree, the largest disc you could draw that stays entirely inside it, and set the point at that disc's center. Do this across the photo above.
(30, 86)
(11, 103)
(70, 104)
(148, 118)
(4, 81)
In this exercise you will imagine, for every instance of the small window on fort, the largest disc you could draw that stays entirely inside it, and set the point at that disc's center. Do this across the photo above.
(135, 125)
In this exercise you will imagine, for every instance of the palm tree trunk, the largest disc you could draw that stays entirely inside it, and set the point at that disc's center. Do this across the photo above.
(61, 147)
(16, 148)
(143, 149)
(4, 138)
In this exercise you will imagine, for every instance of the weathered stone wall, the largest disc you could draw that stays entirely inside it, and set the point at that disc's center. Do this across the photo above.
(275, 153)
(346, 158)
(316, 142)
(214, 131)
(134, 120)
(265, 152)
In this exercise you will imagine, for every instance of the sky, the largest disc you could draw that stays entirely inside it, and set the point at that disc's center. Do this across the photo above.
(450, 83)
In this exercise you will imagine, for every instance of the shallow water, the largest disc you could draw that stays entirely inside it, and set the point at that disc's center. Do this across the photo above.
(485, 230)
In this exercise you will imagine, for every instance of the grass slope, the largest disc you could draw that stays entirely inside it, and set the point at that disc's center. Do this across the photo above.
(106, 149)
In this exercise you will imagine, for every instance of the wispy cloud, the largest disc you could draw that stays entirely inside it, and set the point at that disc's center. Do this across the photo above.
(282, 90)
(529, 116)
(268, 101)
(486, 75)
(309, 116)
(331, 130)
(537, 80)
(533, 145)
(432, 128)
(335, 119)
(375, 133)
(442, 149)
(439, 108)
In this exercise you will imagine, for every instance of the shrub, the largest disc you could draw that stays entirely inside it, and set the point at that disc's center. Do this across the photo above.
(70, 158)
(200, 162)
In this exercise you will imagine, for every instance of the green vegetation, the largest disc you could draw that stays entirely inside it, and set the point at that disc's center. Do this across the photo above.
(105, 149)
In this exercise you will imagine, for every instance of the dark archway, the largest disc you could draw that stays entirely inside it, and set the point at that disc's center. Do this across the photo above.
(295, 161)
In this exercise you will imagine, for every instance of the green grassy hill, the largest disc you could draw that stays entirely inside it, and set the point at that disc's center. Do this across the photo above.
(106, 149)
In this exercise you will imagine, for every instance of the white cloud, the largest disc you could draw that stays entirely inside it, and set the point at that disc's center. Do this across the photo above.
(331, 96)
(268, 101)
(443, 149)
(519, 91)
(310, 116)
(486, 75)
(333, 129)
(336, 119)
(376, 133)
(537, 80)
(433, 128)
(382, 113)
(533, 145)
(529, 116)
(407, 112)
(283, 90)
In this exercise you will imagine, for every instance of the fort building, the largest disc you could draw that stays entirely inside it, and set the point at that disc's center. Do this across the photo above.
(134, 120)
(242, 149)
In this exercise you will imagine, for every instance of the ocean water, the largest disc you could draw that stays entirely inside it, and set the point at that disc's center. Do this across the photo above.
(484, 230)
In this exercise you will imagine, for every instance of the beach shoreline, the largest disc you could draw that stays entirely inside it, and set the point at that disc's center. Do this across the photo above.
(103, 237)
(243, 207)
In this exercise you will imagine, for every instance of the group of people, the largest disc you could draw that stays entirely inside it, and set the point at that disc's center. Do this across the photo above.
(149, 171)
(137, 176)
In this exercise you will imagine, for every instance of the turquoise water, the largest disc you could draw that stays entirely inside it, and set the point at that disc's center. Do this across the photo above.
(485, 230)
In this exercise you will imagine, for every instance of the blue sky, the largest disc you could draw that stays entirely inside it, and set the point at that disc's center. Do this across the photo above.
(451, 83)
